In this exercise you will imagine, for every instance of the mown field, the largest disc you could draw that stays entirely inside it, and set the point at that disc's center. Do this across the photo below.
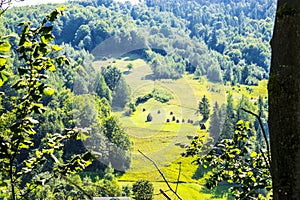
(164, 142)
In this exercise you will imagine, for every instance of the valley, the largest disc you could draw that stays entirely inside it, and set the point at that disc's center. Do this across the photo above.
(165, 141)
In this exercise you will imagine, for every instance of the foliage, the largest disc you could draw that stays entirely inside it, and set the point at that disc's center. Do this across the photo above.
(129, 66)
(112, 76)
(143, 99)
(167, 67)
(214, 73)
(101, 88)
(161, 95)
(199, 43)
(4, 50)
(119, 144)
(158, 94)
(234, 161)
(78, 187)
(204, 108)
(4, 5)
(121, 95)
(216, 121)
(142, 190)
(259, 134)
(230, 119)
(35, 49)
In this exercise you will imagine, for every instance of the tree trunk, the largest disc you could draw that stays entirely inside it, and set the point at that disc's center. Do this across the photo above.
(284, 101)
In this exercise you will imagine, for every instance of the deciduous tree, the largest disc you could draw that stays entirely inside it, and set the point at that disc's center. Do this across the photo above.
(18, 122)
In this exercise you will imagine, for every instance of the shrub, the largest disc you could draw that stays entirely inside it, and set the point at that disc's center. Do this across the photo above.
(142, 190)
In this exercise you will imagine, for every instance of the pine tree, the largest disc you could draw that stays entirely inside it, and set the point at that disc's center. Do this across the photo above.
(215, 122)
(204, 109)
(230, 120)
(244, 103)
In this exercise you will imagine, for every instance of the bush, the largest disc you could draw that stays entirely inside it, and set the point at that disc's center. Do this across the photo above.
(142, 190)
(143, 99)
(162, 95)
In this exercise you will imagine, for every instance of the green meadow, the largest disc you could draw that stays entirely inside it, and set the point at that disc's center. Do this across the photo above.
(165, 141)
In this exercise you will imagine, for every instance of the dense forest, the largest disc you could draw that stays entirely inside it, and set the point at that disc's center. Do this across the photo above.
(222, 43)
(226, 41)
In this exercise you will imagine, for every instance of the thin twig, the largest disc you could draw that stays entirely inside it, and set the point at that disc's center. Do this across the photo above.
(264, 156)
(163, 193)
(178, 178)
(264, 133)
(162, 175)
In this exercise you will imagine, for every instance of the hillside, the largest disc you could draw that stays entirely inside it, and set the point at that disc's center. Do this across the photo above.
(135, 80)
(164, 142)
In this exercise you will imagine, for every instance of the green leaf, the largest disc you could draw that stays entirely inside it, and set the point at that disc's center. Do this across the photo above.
(240, 122)
(4, 47)
(253, 154)
(3, 186)
(56, 48)
(250, 174)
(46, 30)
(3, 76)
(48, 91)
(247, 125)
(45, 39)
(38, 154)
(52, 68)
(31, 120)
(27, 44)
(23, 146)
(55, 14)
(62, 60)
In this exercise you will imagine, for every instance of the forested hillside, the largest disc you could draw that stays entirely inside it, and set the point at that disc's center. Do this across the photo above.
(157, 76)
(225, 40)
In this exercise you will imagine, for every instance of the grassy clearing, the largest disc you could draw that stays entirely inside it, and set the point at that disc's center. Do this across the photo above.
(162, 141)
(188, 191)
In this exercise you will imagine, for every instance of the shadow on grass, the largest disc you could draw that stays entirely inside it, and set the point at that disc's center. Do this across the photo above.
(199, 173)
(221, 191)
(126, 72)
(150, 77)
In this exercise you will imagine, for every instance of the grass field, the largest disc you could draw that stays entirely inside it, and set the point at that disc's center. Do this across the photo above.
(163, 141)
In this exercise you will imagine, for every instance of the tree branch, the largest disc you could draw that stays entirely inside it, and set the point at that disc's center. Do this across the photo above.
(178, 177)
(264, 156)
(264, 133)
(163, 193)
(163, 176)
(76, 185)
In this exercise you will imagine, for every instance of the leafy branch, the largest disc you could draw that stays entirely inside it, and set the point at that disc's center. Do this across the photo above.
(265, 137)
(233, 161)
(36, 49)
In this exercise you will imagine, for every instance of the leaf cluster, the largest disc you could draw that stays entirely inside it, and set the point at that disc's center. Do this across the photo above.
(233, 161)
(36, 51)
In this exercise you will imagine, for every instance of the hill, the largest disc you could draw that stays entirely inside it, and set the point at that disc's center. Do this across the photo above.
(138, 72)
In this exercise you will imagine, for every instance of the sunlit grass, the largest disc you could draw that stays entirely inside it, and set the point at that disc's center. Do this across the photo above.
(163, 141)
